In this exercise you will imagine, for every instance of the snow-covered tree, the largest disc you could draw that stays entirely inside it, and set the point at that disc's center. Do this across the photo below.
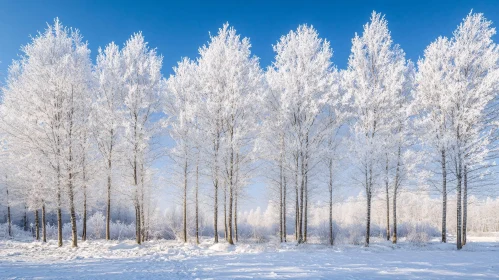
(143, 85)
(375, 80)
(300, 81)
(107, 117)
(230, 79)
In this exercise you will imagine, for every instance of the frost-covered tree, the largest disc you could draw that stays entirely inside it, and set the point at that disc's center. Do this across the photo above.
(301, 79)
(474, 83)
(143, 84)
(375, 80)
(431, 108)
(230, 79)
(107, 117)
(181, 107)
(48, 97)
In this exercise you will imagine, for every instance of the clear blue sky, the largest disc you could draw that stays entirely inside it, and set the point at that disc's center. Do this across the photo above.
(179, 28)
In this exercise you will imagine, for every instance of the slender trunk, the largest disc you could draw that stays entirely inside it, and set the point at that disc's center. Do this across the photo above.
(395, 192)
(185, 200)
(284, 230)
(297, 207)
(231, 185)
(387, 201)
(368, 220)
(465, 203)
(215, 212)
(235, 216)
(444, 198)
(302, 199)
(197, 202)
(37, 225)
(369, 179)
(9, 220)
(280, 202)
(331, 238)
(108, 212)
(84, 226)
(459, 204)
(231, 202)
(394, 239)
(74, 235)
(44, 228)
(59, 211)
(138, 238)
(142, 204)
(225, 211)
(216, 182)
(25, 219)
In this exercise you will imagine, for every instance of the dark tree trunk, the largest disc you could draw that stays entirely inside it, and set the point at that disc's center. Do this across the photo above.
(459, 205)
(37, 225)
(44, 224)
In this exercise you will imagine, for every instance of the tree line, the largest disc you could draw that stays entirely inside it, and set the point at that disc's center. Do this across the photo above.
(70, 127)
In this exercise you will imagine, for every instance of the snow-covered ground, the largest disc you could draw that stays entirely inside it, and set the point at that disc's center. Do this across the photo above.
(172, 260)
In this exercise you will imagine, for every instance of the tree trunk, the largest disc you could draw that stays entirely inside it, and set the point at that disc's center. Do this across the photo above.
(37, 225)
(394, 239)
(235, 216)
(142, 204)
(185, 201)
(84, 226)
(74, 235)
(395, 191)
(368, 220)
(387, 201)
(138, 238)
(215, 211)
(108, 212)
(284, 230)
(231, 202)
(25, 219)
(465, 203)
(59, 211)
(459, 206)
(44, 228)
(280, 202)
(444, 198)
(331, 238)
(297, 207)
(302, 200)
(9, 220)
(225, 211)
(197, 202)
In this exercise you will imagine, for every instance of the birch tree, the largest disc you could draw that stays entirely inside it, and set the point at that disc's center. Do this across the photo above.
(375, 79)
(143, 83)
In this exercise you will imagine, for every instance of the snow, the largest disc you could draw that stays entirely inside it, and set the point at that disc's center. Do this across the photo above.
(163, 259)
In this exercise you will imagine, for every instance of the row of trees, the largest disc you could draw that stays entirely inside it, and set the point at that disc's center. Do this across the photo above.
(68, 123)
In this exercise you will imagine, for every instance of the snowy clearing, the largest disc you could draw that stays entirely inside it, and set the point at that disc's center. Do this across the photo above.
(173, 260)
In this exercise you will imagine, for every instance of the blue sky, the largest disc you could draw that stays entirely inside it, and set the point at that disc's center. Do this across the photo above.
(179, 28)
